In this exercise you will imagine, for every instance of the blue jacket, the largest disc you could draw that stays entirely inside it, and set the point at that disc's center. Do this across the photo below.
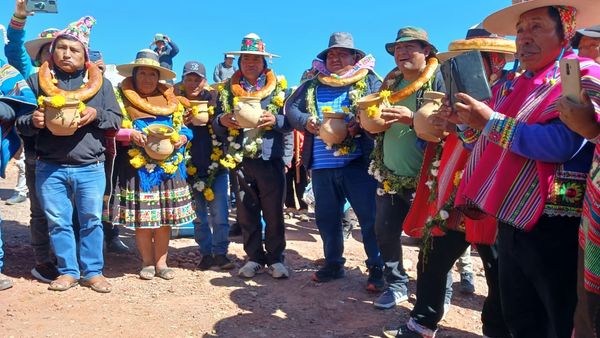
(298, 115)
(201, 148)
(166, 56)
(16, 54)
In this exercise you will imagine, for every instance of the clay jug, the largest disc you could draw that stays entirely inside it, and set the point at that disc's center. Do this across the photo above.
(425, 130)
(158, 144)
(62, 121)
(374, 124)
(334, 129)
(200, 117)
(248, 111)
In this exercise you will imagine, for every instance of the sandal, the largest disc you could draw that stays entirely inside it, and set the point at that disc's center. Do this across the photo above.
(166, 273)
(97, 283)
(147, 272)
(62, 283)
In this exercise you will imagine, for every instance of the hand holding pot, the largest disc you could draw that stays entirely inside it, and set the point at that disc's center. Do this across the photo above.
(353, 127)
(87, 115)
(39, 118)
(228, 120)
(399, 114)
(266, 120)
(182, 140)
(312, 126)
(187, 116)
(138, 138)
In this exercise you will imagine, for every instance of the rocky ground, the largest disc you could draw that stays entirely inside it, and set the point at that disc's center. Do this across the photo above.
(211, 303)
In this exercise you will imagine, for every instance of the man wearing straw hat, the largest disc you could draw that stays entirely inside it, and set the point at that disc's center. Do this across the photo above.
(258, 153)
(441, 248)
(70, 169)
(528, 170)
(587, 41)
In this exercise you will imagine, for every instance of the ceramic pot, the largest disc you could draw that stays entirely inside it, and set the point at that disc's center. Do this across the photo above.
(201, 117)
(374, 124)
(247, 112)
(334, 128)
(62, 121)
(158, 144)
(425, 130)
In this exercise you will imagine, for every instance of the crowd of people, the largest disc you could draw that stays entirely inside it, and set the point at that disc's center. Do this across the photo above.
(516, 175)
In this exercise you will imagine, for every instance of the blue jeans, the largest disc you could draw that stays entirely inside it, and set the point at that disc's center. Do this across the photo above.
(332, 187)
(58, 187)
(213, 242)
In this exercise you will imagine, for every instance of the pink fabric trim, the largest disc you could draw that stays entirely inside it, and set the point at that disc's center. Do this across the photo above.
(124, 135)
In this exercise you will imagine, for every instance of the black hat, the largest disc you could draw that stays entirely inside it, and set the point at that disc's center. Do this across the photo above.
(194, 67)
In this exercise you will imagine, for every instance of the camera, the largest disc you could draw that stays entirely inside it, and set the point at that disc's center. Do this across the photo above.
(42, 6)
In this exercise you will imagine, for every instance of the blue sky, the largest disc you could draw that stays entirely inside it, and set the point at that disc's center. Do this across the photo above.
(295, 30)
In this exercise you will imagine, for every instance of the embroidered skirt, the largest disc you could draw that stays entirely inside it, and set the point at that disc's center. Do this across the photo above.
(168, 204)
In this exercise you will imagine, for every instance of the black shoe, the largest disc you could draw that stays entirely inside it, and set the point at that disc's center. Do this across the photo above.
(45, 272)
(467, 285)
(117, 246)
(223, 262)
(402, 331)
(235, 230)
(206, 263)
(329, 273)
(375, 283)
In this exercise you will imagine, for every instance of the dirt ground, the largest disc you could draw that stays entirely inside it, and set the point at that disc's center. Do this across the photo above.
(211, 303)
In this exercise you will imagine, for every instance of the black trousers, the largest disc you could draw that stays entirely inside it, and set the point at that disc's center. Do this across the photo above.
(290, 179)
(538, 277)
(391, 210)
(262, 189)
(432, 277)
(587, 312)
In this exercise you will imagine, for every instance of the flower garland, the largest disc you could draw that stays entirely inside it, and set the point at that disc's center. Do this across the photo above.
(442, 216)
(204, 184)
(391, 182)
(138, 158)
(236, 152)
(358, 90)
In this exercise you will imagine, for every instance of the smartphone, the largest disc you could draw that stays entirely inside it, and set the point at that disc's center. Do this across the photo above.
(95, 55)
(570, 77)
(41, 6)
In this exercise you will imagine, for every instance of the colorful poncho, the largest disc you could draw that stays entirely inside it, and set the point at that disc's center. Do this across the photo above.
(15, 92)
(512, 188)
(589, 232)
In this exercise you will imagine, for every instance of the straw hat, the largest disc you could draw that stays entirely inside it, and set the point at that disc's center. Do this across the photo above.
(504, 21)
(481, 40)
(253, 44)
(33, 46)
(146, 58)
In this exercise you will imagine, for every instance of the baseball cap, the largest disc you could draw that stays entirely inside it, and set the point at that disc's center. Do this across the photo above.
(195, 68)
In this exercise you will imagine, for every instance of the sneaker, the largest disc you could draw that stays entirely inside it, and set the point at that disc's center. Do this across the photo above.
(45, 272)
(328, 273)
(206, 263)
(235, 230)
(117, 246)
(250, 269)
(5, 282)
(389, 299)
(278, 271)
(223, 262)
(467, 285)
(402, 331)
(375, 283)
(16, 199)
